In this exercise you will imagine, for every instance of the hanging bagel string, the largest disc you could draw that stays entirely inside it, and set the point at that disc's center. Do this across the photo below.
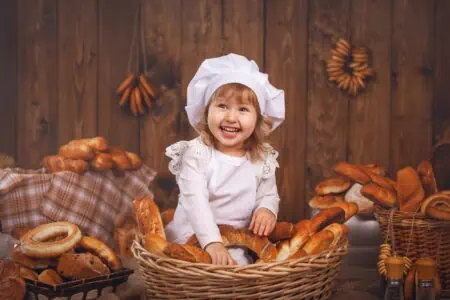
(349, 67)
(136, 90)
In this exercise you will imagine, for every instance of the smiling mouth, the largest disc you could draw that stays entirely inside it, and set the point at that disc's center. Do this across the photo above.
(229, 129)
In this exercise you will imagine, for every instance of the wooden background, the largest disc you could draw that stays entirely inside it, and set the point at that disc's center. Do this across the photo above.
(60, 62)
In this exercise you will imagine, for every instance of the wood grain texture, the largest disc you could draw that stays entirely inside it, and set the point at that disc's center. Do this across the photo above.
(202, 38)
(77, 74)
(117, 21)
(370, 111)
(38, 82)
(286, 64)
(8, 76)
(441, 93)
(243, 21)
(161, 126)
(327, 116)
(412, 62)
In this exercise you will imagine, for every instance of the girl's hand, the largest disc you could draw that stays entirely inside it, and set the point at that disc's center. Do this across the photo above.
(263, 222)
(219, 254)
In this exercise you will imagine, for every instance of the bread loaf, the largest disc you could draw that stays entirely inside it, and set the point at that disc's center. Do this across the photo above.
(282, 231)
(134, 159)
(340, 232)
(12, 287)
(382, 196)
(326, 201)
(98, 143)
(326, 217)
(102, 161)
(335, 185)
(352, 172)
(120, 159)
(100, 249)
(374, 168)
(437, 206)
(124, 238)
(76, 149)
(50, 277)
(187, 253)
(148, 217)
(58, 163)
(350, 209)
(288, 249)
(155, 244)
(81, 266)
(319, 242)
(410, 191)
(426, 175)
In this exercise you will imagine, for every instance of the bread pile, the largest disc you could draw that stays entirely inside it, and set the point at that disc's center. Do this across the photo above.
(414, 190)
(94, 154)
(287, 241)
(57, 252)
(342, 190)
(12, 286)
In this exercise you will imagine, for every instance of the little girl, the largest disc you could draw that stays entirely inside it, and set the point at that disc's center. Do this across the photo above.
(227, 174)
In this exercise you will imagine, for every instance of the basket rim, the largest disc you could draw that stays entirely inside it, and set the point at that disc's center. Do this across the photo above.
(418, 216)
(319, 261)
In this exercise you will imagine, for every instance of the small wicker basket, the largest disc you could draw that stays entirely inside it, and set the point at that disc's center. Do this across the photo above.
(305, 278)
(415, 236)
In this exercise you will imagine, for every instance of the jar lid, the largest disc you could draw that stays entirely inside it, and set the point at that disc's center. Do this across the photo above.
(426, 268)
(394, 267)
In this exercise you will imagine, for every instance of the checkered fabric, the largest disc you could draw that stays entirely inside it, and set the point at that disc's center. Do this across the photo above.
(91, 201)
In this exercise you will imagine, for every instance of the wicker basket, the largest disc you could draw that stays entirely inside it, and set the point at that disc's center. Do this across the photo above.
(416, 236)
(306, 278)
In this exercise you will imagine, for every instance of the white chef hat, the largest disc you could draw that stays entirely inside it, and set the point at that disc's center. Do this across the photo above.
(233, 68)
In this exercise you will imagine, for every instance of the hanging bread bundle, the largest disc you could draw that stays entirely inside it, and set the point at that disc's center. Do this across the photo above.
(136, 92)
(82, 155)
(58, 252)
(287, 241)
(349, 67)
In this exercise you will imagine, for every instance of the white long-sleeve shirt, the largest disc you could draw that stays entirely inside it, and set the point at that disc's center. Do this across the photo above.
(216, 188)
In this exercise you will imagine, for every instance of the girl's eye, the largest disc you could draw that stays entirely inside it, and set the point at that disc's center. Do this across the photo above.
(245, 109)
(221, 105)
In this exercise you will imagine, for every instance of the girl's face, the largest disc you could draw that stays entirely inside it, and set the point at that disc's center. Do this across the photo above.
(231, 121)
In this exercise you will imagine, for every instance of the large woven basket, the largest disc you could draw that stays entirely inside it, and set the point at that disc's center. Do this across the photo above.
(415, 235)
(306, 278)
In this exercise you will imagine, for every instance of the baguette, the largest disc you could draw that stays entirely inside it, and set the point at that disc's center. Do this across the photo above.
(380, 195)
(326, 217)
(319, 242)
(148, 217)
(352, 172)
(288, 249)
(187, 253)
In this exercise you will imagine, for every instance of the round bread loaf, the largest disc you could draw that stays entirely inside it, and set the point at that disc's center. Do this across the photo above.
(326, 201)
(81, 266)
(352, 172)
(335, 185)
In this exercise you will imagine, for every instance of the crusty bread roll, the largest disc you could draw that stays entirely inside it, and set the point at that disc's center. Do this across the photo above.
(426, 175)
(187, 253)
(326, 217)
(27, 273)
(76, 149)
(335, 185)
(155, 244)
(326, 201)
(81, 266)
(350, 209)
(288, 249)
(36, 264)
(12, 287)
(102, 161)
(134, 159)
(120, 159)
(340, 231)
(374, 168)
(103, 251)
(148, 217)
(167, 216)
(282, 231)
(50, 277)
(381, 181)
(58, 163)
(410, 191)
(97, 143)
(437, 206)
(352, 172)
(319, 242)
(383, 197)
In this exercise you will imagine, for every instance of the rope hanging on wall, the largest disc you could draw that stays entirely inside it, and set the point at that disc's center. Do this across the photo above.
(349, 67)
(136, 91)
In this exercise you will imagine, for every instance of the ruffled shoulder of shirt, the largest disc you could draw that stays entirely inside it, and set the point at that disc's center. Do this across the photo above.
(267, 167)
(194, 149)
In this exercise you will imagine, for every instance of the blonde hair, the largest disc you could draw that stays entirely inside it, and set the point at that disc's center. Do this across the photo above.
(255, 143)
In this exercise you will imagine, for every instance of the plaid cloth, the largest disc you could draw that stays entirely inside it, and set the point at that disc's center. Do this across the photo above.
(92, 200)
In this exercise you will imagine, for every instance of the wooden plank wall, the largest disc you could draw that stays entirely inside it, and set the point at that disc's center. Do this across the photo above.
(60, 65)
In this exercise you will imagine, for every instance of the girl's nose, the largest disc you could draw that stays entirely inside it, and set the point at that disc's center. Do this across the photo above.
(231, 115)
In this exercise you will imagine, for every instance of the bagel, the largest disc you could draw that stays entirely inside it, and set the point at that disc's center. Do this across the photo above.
(34, 243)
(100, 249)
